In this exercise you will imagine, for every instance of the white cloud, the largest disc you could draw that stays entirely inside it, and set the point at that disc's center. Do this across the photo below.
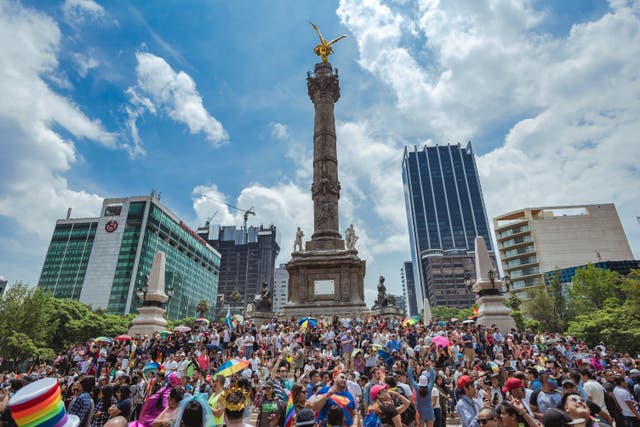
(82, 10)
(35, 156)
(279, 130)
(85, 63)
(159, 87)
(566, 105)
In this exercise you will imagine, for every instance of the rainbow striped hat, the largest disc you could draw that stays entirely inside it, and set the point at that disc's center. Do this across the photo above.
(40, 404)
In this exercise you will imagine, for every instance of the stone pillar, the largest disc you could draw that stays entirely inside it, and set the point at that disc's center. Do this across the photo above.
(324, 91)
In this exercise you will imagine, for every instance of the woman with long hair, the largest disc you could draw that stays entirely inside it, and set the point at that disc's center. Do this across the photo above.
(422, 390)
(104, 402)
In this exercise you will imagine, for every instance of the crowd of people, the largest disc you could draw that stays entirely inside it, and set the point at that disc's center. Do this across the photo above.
(361, 372)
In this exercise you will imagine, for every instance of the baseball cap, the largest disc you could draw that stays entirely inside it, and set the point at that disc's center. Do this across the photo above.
(463, 381)
(555, 417)
(512, 384)
(552, 382)
(377, 389)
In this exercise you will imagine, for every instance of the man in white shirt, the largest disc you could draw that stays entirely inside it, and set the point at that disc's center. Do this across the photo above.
(593, 389)
(626, 402)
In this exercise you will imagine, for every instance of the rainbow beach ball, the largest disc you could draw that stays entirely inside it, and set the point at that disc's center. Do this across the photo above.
(40, 404)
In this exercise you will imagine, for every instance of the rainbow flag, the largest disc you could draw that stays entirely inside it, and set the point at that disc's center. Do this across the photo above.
(290, 413)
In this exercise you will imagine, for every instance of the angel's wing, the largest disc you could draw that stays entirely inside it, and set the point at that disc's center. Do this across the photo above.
(318, 31)
(336, 39)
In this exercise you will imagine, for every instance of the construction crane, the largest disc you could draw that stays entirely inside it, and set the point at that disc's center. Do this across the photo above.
(245, 214)
(208, 221)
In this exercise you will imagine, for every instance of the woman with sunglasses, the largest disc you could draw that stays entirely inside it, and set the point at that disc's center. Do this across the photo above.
(270, 406)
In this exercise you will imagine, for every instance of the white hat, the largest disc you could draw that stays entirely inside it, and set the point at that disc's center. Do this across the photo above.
(423, 381)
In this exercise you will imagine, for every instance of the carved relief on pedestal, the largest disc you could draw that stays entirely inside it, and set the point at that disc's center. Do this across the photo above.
(327, 212)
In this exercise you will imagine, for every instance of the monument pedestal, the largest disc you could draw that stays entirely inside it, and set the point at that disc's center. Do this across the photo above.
(149, 321)
(492, 311)
(387, 312)
(259, 318)
(325, 282)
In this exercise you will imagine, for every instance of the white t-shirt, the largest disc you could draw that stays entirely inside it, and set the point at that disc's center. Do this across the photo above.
(595, 393)
(622, 396)
(435, 394)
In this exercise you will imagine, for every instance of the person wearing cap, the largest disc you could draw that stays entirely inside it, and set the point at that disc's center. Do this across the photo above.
(383, 405)
(323, 400)
(422, 390)
(306, 418)
(514, 389)
(467, 407)
(546, 397)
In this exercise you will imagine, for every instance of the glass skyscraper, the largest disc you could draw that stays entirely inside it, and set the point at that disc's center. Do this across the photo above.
(103, 261)
(445, 213)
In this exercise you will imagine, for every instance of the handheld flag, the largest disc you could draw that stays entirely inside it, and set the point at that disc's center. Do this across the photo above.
(290, 413)
(228, 319)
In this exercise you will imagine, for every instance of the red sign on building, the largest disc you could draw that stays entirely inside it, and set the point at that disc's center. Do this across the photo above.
(111, 226)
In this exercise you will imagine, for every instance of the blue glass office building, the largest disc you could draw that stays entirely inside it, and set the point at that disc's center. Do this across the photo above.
(445, 213)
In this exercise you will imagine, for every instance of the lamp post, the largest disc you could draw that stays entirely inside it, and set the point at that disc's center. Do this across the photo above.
(467, 283)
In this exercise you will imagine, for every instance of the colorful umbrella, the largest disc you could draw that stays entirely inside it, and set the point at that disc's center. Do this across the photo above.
(123, 337)
(104, 339)
(165, 334)
(231, 367)
(440, 341)
(150, 367)
(410, 320)
(306, 322)
(182, 329)
(202, 320)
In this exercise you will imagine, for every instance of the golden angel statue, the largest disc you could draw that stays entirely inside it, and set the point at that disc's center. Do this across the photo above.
(324, 49)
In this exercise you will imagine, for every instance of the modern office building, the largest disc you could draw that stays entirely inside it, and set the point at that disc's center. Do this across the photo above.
(534, 241)
(104, 261)
(409, 285)
(445, 213)
(248, 260)
(280, 288)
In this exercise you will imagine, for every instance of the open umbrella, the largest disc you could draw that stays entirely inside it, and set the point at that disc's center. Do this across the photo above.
(202, 320)
(411, 320)
(306, 322)
(440, 341)
(231, 367)
(165, 334)
(182, 329)
(123, 337)
(104, 339)
(150, 367)
(212, 347)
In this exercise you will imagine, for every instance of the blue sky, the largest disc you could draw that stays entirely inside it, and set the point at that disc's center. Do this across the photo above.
(207, 102)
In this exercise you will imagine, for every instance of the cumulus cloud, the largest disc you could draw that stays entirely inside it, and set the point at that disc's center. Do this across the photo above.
(279, 130)
(555, 117)
(35, 155)
(160, 89)
(82, 10)
(85, 63)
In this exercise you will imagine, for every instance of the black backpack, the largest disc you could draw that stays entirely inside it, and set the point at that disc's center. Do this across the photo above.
(409, 415)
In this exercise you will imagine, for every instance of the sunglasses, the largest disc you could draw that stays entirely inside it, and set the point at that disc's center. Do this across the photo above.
(283, 370)
(576, 399)
(483, 421)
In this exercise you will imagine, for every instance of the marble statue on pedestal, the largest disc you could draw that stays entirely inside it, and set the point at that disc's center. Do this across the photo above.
(350, 238)
(298, 242)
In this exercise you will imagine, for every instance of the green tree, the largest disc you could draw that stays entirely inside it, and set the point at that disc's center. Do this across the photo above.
(513, 302)
(202, 308)
(591, 287)
(446, 313)
(537, 307)
(617, 321)
(559, 301)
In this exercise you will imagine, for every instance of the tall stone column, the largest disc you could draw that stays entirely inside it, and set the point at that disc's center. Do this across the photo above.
(324, 91)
